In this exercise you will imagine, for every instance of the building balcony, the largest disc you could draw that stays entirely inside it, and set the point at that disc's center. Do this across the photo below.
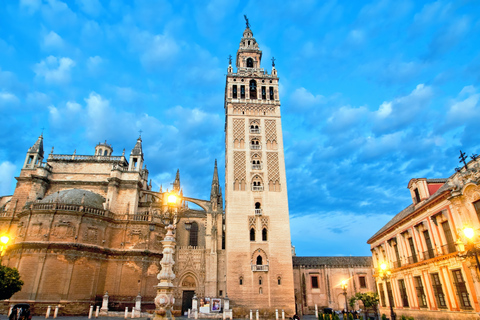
(255, 147)
(426, 255)
(257, 188)
(258, 212)
(256, 167)
(254, 130)
(260, 267)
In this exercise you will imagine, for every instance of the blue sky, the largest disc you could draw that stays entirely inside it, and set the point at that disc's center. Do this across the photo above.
(373, 93)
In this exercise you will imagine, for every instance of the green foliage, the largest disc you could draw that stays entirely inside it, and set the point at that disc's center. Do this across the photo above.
(335, 317)
(410, 318)
(350, 316)
(351, 302)
(360, 317)
(369, 299)
(403, 317)
(10, 282)
(384, 317)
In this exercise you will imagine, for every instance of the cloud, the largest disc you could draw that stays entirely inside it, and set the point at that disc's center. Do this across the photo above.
(449, 36)
(7, 174)
(7, 98)
(54, 70)
(30, 5)
(90, 7)
(339, 225)
(306, 99)
(157, 50)
(53, 41)
(400, 112)
(94, 64)
(432, 13)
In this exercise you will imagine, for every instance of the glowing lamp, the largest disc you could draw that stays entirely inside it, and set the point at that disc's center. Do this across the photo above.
(469, 233)
(4, 239)
(172, 199)
(383, 266)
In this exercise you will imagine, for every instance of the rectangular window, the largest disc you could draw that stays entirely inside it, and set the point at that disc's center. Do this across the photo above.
(429, 254)
(448, 236)
(363, 282)
(397, 263)
(476, 205)
(438, 291)
(382, 295)
(422, 298)
(30, 159)
(390, 294)
(412, 250)
(271, 93)
(234, 91)
(417, 195)
(242, 92)
(264, 93)
(403, 292)
(314, 282)
(461, 287)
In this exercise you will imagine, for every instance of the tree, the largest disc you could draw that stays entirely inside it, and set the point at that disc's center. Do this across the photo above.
(369, 300)
(351, 302)
(10, 282)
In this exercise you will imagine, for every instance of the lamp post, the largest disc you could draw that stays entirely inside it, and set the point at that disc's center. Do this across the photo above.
(344, 288)
(384, 275)
(164, 300)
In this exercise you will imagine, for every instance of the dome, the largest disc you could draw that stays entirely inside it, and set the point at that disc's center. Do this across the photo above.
(75, 196)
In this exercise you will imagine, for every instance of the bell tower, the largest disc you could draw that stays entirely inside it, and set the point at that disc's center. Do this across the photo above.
(258, 246)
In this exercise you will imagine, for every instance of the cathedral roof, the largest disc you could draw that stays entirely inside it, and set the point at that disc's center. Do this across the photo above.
(76, 196)
(38, 146)
(332, 261)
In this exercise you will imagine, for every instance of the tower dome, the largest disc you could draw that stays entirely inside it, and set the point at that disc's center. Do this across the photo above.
(103, 149)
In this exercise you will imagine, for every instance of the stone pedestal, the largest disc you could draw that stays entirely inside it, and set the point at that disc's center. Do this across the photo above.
(104, 308)
(138, 305)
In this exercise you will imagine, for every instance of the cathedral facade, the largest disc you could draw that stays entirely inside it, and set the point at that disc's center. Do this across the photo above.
(84, 225)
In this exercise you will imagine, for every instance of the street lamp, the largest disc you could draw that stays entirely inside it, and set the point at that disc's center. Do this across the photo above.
(344, 288)
(3, 243)
(385, 274)
(471, 249)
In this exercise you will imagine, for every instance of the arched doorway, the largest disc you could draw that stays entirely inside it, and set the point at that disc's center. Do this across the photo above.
(188, 286)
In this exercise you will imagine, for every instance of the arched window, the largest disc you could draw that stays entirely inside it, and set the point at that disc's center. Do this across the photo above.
(264, 234)
(99, 152)
(105, 153)
(252, 234)
(279, 281)
(253, 89)
(257, 184)
(259, 261)
(257, 205)
(194, 235)
(249, 62)
(260, 281)
(240, 281)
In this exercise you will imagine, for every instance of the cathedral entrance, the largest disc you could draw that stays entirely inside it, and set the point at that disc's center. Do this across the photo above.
(187, 300)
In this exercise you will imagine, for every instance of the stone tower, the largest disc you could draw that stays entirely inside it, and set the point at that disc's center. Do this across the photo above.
(258, 247)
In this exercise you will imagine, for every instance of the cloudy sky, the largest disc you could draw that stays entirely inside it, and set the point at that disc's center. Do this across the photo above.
(373, 93)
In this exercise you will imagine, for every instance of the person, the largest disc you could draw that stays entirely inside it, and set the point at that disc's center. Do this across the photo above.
(295, 317)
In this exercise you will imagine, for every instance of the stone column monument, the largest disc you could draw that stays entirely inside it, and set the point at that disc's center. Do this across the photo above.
(164, 299)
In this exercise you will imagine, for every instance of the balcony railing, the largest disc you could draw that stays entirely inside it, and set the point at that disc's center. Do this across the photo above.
(259, 267)
(255, 147)
(256, 167)
(258, 212)
(252, 130)
(257, 188)
(429, 254)
(71, 207)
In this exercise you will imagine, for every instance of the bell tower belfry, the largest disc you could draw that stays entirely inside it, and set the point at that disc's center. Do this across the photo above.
(258, 246)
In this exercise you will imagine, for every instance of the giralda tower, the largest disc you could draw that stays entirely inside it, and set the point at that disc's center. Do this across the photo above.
(258, 247)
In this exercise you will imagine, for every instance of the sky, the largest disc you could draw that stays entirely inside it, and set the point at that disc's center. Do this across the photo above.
(373, 93)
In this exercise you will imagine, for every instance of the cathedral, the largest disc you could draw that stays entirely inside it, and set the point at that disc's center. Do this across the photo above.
(82, 226)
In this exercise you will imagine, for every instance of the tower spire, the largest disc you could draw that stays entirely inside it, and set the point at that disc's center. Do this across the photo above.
(215, 185)
(176, 183)
(34, 154)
